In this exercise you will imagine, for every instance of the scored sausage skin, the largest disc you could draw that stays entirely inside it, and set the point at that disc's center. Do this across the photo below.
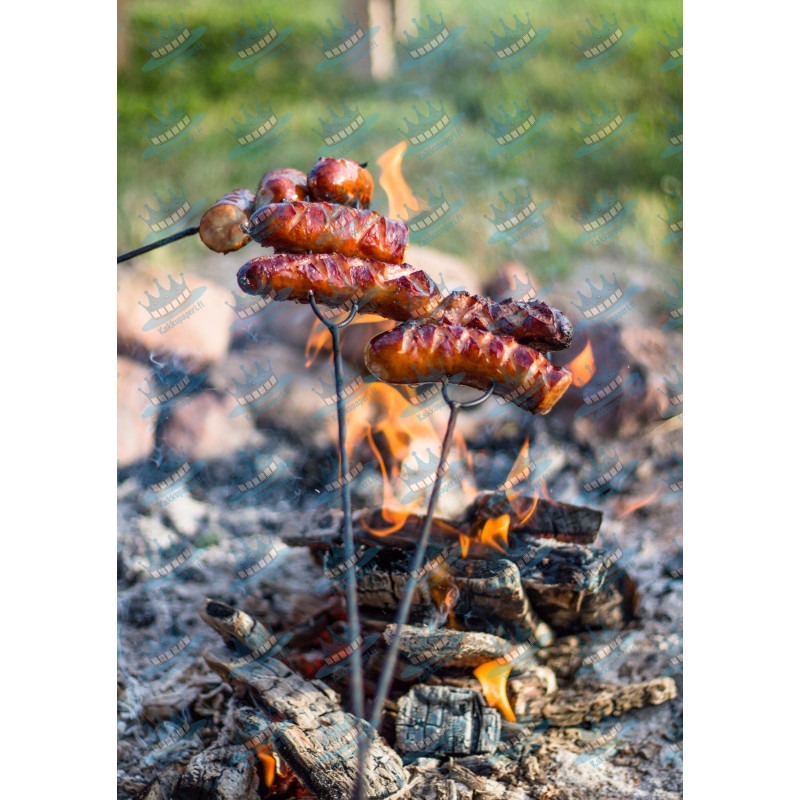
(300, 227)
(532, 323)
(420, 352)
(339, 180)
(394, 291)
(220, 227)
(280, 185)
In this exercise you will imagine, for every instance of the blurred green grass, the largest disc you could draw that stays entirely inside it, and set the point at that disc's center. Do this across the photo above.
(464, 169)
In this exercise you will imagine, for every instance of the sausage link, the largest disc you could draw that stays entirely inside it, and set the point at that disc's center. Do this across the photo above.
(220, 227)
(419, 353)
(298, 227)
(339, 180)
(531, 323)
(280, 185)
(394, 291)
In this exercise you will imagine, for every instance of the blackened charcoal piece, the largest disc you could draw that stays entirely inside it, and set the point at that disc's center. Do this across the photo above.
(444, 720)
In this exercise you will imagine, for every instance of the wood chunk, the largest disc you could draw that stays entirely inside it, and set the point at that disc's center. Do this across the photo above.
(446, 647)
(530, 691)
(220, 773)
(160, 788)
(493, 590)
(572, 586)
(549, 520)
(491, 597)
(573, 708)
(313, 734)
(445, 720)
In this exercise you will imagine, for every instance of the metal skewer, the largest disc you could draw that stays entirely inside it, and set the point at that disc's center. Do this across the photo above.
(387, 671)
(160, 243)
(354, 625)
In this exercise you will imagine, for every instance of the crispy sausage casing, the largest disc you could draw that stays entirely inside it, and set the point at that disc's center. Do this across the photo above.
(395, 291)
(532, 323)
(220, 227)
(299, 227)
(281, 184)
(417, 353)
(339, 180)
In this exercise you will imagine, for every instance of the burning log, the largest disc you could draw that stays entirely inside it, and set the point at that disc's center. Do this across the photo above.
(534, 517)
(446, 721)
(490, 594)
(446, 647)
(309, 728)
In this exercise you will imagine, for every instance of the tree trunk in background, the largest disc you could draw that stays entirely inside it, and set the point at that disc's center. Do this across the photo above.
(123, 51)
(382, 59)
(392, 17)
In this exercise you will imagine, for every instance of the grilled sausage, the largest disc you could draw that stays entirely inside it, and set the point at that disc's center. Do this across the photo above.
(280, 185)
(220, 227)
(391, 290)
(339, 180)
(420, 352)
(532, 323)
(298, 227)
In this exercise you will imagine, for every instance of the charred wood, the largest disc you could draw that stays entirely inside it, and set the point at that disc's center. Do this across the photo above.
(445, 720)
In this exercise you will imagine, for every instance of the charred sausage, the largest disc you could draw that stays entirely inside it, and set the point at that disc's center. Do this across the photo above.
(298, 227)
(419, 352)
(221, 225)
(531, 323)
(395, 291)
(339, 180)
(280, 185)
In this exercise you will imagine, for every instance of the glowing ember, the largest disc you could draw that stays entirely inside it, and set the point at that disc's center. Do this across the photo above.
(392, 182)
(582, 367)
(493, 676)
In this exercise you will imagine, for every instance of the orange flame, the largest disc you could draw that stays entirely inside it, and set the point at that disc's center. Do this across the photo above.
(633, 505)
(320, 337)
(493, 676)
(392, 182)
(582, 366)
(530, 513)
(494, 530)
(268, 763)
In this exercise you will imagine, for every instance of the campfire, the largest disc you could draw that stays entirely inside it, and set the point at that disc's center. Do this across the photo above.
(459, 625)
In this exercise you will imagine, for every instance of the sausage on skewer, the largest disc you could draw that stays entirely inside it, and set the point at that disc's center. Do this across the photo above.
(415, 353)
(298, 227)
(221, 226)
(339, 180)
